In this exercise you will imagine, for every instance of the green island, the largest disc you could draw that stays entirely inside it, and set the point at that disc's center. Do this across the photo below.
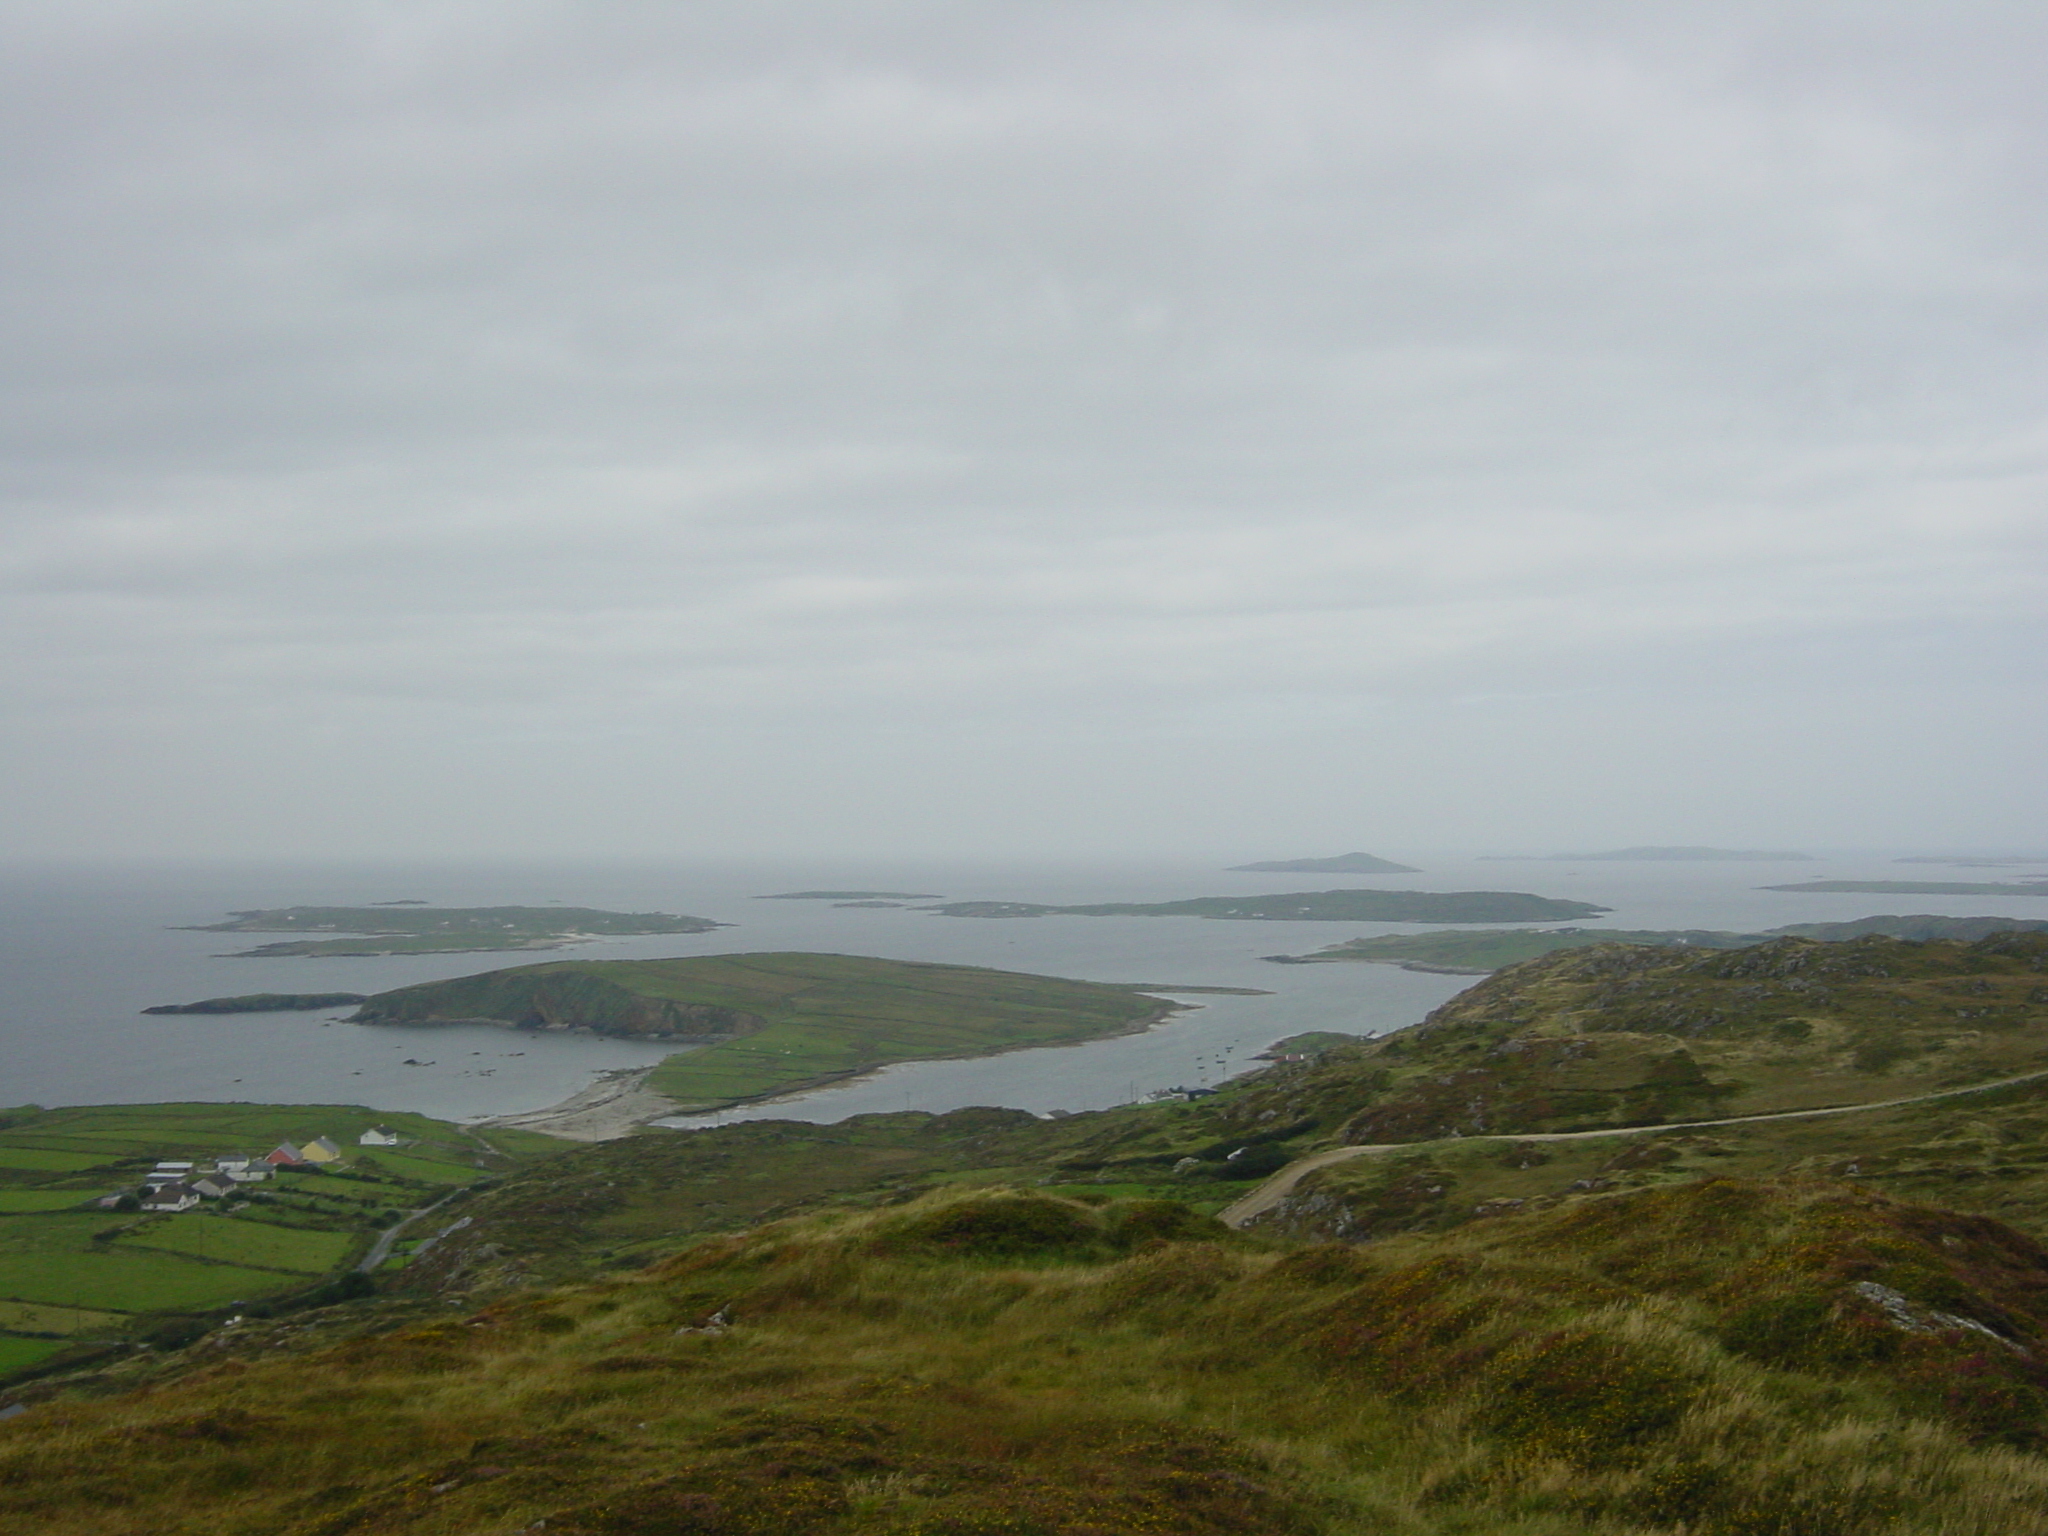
(1628, 1240)
(1477, 952)
(1920, 887)
(402, 928)
(1341, 864)
(769, 1024)
(1349, 906)
(264, 1002)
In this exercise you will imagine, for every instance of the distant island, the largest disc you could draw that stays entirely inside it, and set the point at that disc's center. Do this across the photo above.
(770, 1024)
(852, 896)
(1469, 952)
(1342, 864)
(1659, 855)
(392, 929)
(1918, 887)
(1347, 906)
(1969, 862)
(264, 1002)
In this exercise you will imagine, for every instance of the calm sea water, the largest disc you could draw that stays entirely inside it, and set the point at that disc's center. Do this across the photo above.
(83, 949)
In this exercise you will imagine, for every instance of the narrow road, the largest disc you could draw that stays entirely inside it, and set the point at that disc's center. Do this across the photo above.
(1281, 1184)
(381, 1249)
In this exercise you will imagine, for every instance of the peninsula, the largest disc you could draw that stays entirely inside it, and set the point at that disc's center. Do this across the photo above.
(1342, 864)
(770, 1024)
(390, 929)
(1347, 906)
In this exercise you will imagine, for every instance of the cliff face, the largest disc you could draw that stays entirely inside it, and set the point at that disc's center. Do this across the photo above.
(541, 997)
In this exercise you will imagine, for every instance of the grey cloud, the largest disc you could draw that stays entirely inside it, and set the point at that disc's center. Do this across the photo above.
(689, 386)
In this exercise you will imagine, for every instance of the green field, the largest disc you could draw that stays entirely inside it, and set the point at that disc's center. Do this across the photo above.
(15, 1202)
(242, 1240)
(35, 1160)
(54, 1259)
(66, 1270)
(40, 1317)
(19, 1354)
(425, 1169)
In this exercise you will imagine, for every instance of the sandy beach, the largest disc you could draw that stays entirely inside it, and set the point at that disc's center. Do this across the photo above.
(615, 1105)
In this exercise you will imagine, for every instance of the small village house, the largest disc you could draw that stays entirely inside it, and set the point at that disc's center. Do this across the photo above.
(378, 1136)
(284, 1155)
(321, 1149)
(171, 1197)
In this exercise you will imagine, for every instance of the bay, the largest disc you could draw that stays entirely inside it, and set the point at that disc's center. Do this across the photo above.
(83, 948)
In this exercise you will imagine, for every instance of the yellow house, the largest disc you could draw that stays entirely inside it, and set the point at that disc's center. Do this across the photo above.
(321, 1150)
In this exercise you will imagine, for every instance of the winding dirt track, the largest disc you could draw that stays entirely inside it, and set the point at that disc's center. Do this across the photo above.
(1281, 1184)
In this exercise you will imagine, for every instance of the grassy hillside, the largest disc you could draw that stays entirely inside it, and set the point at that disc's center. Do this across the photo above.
(780, 1021)
(1726, 1357)
(982, 1322)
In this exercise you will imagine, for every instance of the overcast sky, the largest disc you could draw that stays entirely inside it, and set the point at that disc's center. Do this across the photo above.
(1103, 427)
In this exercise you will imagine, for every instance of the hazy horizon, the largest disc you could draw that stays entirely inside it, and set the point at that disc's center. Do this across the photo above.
(899, 431)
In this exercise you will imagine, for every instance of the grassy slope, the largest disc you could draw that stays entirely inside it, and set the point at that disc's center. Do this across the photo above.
(797, 1018)
(1616, 1036)
(1000, 1361)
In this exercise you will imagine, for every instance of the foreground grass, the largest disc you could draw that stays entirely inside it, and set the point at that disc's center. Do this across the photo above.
(999, 1361)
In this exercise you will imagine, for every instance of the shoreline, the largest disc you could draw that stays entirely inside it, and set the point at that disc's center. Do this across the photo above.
(617, 1102)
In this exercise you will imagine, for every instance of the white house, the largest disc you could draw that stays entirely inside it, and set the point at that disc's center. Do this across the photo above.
(171, 1197)
(378, 1136)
